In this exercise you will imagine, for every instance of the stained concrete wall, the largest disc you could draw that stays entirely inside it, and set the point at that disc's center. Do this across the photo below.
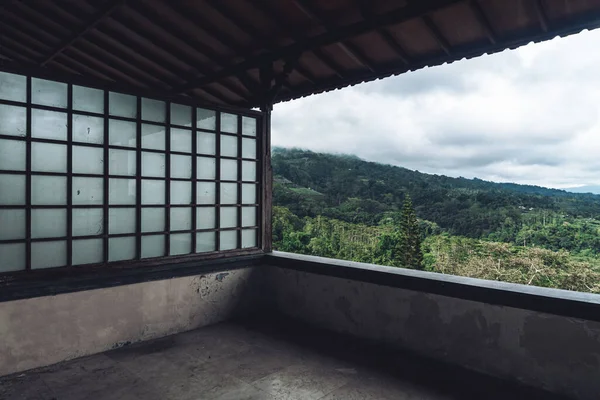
(46, 330)
(556, 353)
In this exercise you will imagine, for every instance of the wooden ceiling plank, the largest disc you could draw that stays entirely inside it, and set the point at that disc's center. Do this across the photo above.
(439, 37)
(483, 21)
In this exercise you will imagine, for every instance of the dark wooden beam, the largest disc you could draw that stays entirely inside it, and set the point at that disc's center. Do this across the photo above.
(439, 37)
(483, 20)
(540, 10)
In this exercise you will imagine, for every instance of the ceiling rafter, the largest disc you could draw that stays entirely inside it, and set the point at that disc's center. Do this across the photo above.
(540, 10)
(483, 20)
(437, 34)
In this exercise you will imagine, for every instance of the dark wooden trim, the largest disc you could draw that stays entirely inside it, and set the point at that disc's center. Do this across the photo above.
(540, 10)
(437, 34)
(70, 175)
(167, 154)
(266, 179)
(28, 179)
(483, 20)
(138, 180)
(105, 207)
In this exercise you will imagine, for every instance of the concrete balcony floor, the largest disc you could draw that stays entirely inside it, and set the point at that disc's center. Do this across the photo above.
(260, 360)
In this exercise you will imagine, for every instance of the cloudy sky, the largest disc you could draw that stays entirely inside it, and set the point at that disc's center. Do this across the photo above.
(531, 115)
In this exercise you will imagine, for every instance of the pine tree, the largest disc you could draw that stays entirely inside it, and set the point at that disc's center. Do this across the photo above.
(411, 254)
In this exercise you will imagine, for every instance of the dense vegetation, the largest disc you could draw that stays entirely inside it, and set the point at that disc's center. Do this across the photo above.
(344, 207)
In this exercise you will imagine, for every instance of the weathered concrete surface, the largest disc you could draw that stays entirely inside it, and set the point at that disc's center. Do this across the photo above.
(555, 353)
(46, 330)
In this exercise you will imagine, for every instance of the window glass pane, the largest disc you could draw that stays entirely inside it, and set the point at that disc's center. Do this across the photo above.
(249, 126)
(88, 221)
(248, 193)
(87, 190)
(88, 160)
(121, 191)
(206, 119)
(13, 87)
(48, 223)
(206, 143)
(181, 192)
(228, 240)
(122, 105)
(228, 193)
(153, 246)
(49, 124)
(50, 190)
(181, 166)
(153, 192)
(121, 162)
(121, 220)
(248, 148)
(229, 170)
(48, 157)
(121, 248)
(249, 171)
(88, 99)
(14, 120)
(248, 238)
(181, 243)
(181, 140)
(205, 241)
(205, 168)
(229, 146)
(88, 129)
(181, 219)
(12, 154)
(248, 216)
(228, 217)
(48, 254)
(12, 224)
(12, 257)
(153, 219)
(48, 93)
(205, 192)
(88, 251)
(12, 189)
(153, 137)
(205, 218)
(121, 133)
(229, 123)
(153, 164)
(181, 115)
(153, 110)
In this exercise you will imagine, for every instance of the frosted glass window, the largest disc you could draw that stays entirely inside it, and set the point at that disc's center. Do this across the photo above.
(229, 146)
(12, 257)
(153, 110)
(121, 248)
(12, 154)
(48, 93)
(88, 190)
(121, 220)
(206, 143)
(122, 133)
(249, 126)
(50, 190)
(14, 120)
(249, 171)
(227, 240)
(48, 254)
(122, 105)
(181, 140)
(153, 137)
(12, 224)
(153, 219)
(88, 221)
(13, 87)
(205, 168)
(181, 192)
(181, 219)
(229, 123)
(248, 148)
(228, 217)
(181, 243)
(88, 160)
(181, 166)
(205, 193)
(205, 241)
(248, 193)
(48, 223)
(205, 218)
(153, 192)
(153, 164)
(121, 162)
(229, 193)
(248, 216)
(121, 191)
(248, 238)
(206, 119)
(88, 251)
(181, 115)
(88, 129)
(88, 99)
(229, 170)
(49, 124)
(153, 246)
(12, 189)
(48, 157)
